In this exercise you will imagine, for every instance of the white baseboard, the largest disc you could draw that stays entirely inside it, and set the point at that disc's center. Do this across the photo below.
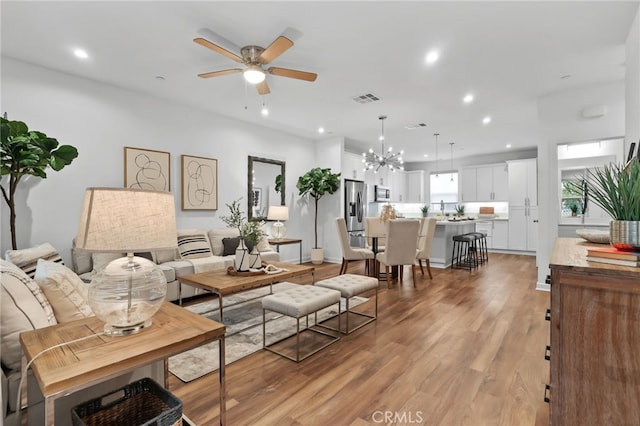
(543, 286)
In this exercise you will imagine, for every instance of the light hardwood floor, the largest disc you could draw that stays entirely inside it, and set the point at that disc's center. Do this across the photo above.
(461, 349)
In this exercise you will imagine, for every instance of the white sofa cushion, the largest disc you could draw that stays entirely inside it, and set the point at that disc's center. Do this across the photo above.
(215, 238)
(65, 291)
(27, 259)
(21, 305)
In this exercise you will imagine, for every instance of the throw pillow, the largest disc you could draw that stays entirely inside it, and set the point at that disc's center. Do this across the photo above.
(230, 245)
(215, 238)
(65, 291)
(27, 259)
(20, 310)
(101, 260)
(194, 246)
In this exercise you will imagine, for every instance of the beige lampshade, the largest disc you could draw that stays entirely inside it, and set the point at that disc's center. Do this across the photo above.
(278, 213)
(127, 220)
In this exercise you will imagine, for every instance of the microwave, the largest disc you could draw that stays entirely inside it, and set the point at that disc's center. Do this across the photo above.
(382, 193)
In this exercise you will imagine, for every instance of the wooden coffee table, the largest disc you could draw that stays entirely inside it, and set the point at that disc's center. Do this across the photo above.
(222, 284)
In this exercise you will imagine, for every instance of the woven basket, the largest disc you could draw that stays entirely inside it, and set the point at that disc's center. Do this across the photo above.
(142, 403)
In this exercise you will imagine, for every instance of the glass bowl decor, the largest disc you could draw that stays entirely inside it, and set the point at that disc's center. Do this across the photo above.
(126, 294)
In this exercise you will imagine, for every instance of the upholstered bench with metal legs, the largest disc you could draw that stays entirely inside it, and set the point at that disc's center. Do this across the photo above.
(350, 285)
(299, 302)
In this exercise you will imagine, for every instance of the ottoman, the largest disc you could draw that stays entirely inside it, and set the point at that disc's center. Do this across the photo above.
(350, 285)
(299, 302)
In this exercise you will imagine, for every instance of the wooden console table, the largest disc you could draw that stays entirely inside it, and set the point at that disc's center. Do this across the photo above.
(286, 241)
(595, 339)
(77, 366)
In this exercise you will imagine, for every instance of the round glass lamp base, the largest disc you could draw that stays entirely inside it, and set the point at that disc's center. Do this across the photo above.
(126, 294)
(278, 230)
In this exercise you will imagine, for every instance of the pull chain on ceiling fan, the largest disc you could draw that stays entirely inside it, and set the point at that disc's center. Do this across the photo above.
(254, 59)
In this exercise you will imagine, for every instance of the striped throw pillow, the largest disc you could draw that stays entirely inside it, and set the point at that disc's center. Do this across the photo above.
(194, 246)
(27, 259)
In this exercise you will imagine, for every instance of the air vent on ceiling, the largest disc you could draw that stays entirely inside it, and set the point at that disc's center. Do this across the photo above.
(415, 126)
(365, 99)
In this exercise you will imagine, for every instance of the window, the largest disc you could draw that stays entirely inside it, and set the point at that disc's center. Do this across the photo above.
(572, 196)
(444, 191)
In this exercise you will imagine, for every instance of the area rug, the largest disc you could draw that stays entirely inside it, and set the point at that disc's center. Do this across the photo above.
(243, 318)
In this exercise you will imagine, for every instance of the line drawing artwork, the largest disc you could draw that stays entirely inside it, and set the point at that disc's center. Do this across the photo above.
(146, 169)
(199, 183)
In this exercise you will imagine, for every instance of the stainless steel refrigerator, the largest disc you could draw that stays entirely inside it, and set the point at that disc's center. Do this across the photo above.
(355, 210)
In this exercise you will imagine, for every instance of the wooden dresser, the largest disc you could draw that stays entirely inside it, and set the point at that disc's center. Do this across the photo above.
(595, 339)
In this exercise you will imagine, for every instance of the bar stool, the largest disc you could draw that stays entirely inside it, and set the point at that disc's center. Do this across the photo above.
(464, 255)
(481, 246)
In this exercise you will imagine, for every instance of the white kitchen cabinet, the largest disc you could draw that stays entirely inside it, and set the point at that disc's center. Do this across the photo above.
(415, 186)
(352, 166)
(468, 184)
(398, 185)
(523, 228)
(485, 183)
(523, 183)
(500, 234)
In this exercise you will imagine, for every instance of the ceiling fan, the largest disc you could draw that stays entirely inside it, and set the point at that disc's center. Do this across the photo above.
(254, 58)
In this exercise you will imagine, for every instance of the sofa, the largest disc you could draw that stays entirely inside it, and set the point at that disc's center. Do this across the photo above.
(198, 251)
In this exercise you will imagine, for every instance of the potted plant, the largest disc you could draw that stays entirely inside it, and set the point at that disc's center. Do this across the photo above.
(425, 210)
(251, 232)
(616, 189)
(460, 210)
(316, 183)
(574, 208)
(26, 152)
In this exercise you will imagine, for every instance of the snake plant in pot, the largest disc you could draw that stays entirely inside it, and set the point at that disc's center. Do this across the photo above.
(616, 189)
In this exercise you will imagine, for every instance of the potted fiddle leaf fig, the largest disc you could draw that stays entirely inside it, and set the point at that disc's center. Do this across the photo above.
(616, 189)
(316, 183)
(25, 152)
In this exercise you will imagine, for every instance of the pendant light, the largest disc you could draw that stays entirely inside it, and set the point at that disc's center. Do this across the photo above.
(451, 144)
(387, 158)
(436, 135)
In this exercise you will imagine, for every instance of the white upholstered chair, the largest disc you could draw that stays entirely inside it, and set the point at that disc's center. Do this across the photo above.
(374, 226)
(425, 241)
(402, 243)
(350, 254)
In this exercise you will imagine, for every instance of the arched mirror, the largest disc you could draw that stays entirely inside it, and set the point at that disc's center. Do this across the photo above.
(262, 186)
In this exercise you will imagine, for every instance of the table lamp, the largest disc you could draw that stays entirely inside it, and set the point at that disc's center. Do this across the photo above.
(129, 291)
(278, 213)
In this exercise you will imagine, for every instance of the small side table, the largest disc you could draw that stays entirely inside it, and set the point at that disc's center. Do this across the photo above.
(285, 241)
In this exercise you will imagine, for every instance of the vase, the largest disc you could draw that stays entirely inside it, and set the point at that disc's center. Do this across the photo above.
(255, 261)
(242, 258)
(624, 234)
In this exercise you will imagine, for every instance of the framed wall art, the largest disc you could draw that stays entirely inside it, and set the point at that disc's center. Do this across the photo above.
(147, 169)
(199, 183)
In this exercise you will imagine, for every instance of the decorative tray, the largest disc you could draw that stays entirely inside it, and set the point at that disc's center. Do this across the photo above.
(231, 270)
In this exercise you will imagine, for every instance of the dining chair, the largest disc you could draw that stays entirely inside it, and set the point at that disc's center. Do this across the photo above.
(425, 242)
(402, 243)
(350, 254)
(374, 226)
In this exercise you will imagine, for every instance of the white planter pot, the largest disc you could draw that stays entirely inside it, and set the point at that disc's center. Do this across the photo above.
(255, 261)
(242, 261)
(317, 256)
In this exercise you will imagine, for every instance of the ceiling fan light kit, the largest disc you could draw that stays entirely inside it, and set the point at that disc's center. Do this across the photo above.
(254, 58)
(389, 159)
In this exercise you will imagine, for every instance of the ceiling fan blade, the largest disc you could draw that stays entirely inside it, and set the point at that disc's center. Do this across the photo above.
(219, 73)
(275, 49)
(221, 50)
(300, 75)
(263, 88)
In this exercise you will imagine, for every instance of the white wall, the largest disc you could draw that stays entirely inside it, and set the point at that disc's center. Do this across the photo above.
(100, 120)
(632, 91)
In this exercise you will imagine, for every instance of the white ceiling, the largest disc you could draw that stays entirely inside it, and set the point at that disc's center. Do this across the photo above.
(506, 53)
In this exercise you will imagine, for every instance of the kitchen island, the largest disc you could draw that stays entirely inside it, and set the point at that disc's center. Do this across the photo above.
(441, 251)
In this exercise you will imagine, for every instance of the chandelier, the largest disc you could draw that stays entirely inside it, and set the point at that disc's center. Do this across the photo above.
(373, 161)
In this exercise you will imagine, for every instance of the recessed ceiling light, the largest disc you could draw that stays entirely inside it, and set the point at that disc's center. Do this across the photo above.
(80, 53)
(467, 98)
(508, 145)
(432, 57)
(486, 120)
(426, 155)
(321, 130)
(264, 111)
